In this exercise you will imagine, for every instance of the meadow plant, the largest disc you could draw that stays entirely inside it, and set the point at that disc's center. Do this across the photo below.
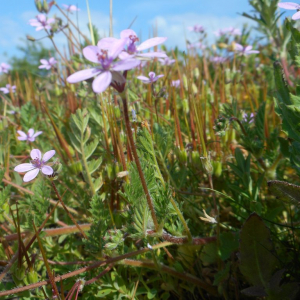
(182, 185)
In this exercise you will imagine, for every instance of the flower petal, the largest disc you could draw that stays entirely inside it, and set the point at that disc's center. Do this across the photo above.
(127, 33)
(22, 138)
(31, 175)
(48, 155)
(116, 48)
(153, 54)
(47, 170)
(83, 75)
(106, 43)
(296, 16)
(288, 5)
(125, 55)
(151, 74)
(44, 61)
(101, 82)
(238, 47)
(248, 48)
(126, 64)
(151, 43)
(252, 51)
(37, 134)
(90, 53)
(144, 79)
(36, 153)
(30, 132)
(24, 167)
(21, 133)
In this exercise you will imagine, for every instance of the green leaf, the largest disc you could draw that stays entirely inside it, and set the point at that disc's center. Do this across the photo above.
(257, 262)
(94, 164)
(90, 148)
(285, 191)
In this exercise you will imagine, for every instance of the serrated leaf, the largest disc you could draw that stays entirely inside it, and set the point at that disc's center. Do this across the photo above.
(257, 262)
(94, 164)
(90, 148)
(98, 183)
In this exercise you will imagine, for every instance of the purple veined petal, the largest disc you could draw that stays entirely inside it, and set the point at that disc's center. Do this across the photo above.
(102, 82)
(248, 48)
(252, 51)
(37, 134)
(22, 138)
(36, 153)
(48, 155)
(47, 170)
(118, 77)
(106, 43)
(24, 168)
(30, 132)
(296, 16)
(288, 5)
(151, 74)
(125, 55)
(126, 33)
(144, 79)
(90, 53)
(151, 43)
(22, 133)
(238, 47)
(30, 175)
(44, 61)
(153, 54)
(117, 48)
(126, 64)
(83, 75)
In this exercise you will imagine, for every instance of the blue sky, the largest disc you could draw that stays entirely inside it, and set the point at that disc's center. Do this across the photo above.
(171, 17)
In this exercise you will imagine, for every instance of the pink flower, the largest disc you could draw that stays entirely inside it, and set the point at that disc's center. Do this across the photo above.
(196, 45)
(152, 78)
(30, 136)
(4, 67)
(47, 64)
(167, 61)
(196, 28)
(218, 59)
(244, 50)
(134, 50)
(41, 22)
(291, 6)
(229, 30)
(7, 89)
(36, 165)
(175, 83)
(104, 54)
(70, 8)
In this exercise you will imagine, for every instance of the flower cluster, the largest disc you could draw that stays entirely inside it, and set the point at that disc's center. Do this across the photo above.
(47, 64)
(4, 68)
(30, 136)
(8, 88)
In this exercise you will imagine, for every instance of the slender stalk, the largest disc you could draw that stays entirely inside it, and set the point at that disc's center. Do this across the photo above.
(137, 161)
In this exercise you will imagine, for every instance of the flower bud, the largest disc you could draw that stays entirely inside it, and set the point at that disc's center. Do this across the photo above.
(45, 6)
(206, 163)
(19, 273)
(182, 156)
(217, 168)
(38, 5)
(32, 277)
(196, 160)
(30, 38)
(196, 73)
(117, 112)
(185, 82)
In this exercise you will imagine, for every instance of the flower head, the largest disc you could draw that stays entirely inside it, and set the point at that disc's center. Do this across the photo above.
(134, 50)
(244, 50)
(47, 64)
(196, 28)
(229, 31)
(4, 67)
(30, 136)
(248, 118)
(291, 6)
(104, 54)
(167, 61)
(8, 88)
(36, 165)
(70, 8)
(218, 59)
(175, 83)
(152, 78)
(41, 22)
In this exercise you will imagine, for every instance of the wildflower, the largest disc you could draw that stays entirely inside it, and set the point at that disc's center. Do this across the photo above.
(152, 78)
(36, 165)
(8, 88)
(248, 118)
(218, 59)
(175, 83)
(196, 45)
(244, 50)
(47, 64)
(4, 67)
(133, 50)
(291, 6)
(41, 22)
(70, 8)
(167, 61)
(196, 28)
(104, 54)
(208, 218)
(229, 30)
(30, 136)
